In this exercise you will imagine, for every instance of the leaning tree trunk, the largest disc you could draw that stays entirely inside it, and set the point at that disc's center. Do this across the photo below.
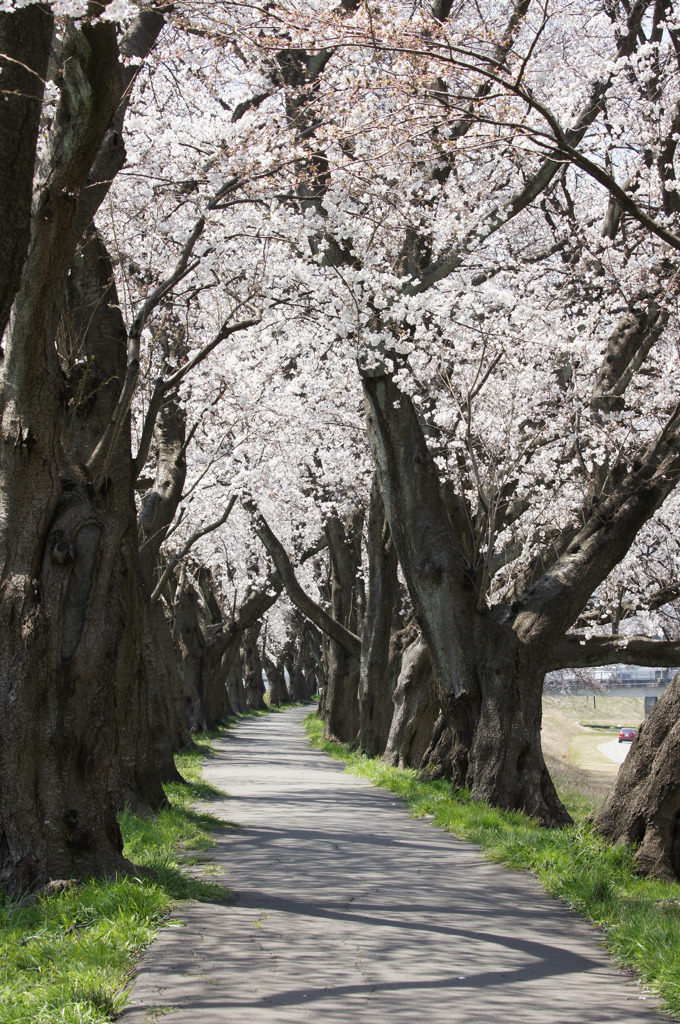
(489, 681)
(375, 685)
(644, 806)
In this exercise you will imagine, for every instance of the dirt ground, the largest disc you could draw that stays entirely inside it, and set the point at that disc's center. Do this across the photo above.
(573, 727)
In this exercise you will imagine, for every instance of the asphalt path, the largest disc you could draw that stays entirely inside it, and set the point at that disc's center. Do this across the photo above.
(346, 910)
(614, 750)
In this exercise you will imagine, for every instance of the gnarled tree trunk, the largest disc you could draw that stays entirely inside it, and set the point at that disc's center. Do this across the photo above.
(415, 703)
(489, 679)
(61, 588)
(644, 806)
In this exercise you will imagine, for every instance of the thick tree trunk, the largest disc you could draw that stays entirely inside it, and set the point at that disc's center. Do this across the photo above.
(94, 332)
(218, 706)
(298, 683)
(415, 707)
(644, 806)
(341, 689)
(190, 648)
(489, 682)
(278, 692)
(497, 750)
(437, 761)
(172, 653)
(55, 759)
(235, 685)
(61, 587)
(168, 712)
(310, 669)
(218, 650)
(375, 685)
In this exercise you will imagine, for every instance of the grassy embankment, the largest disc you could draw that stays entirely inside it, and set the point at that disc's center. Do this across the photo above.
(574, 728)
(640, 917)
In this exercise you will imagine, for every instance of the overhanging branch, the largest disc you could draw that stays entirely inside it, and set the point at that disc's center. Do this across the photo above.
(187, 546)
(313, 611)
(577, 651)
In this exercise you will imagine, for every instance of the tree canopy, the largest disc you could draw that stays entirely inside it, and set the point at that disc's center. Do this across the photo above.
(332, 288)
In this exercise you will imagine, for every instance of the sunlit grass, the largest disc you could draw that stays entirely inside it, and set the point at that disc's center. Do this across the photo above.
(67, 957)
(640, 917)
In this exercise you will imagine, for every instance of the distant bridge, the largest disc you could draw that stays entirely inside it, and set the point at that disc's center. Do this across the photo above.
(612, 681)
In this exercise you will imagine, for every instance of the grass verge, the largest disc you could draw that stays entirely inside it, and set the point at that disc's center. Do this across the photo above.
(66, 957)
(640, 917)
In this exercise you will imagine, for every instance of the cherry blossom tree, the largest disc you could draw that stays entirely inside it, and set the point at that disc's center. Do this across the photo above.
(510, 304)
(457, 229)
(62, 573)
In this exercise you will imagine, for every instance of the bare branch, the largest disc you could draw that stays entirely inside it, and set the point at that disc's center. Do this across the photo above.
(346, 639)
(574, 651)
(187, 546)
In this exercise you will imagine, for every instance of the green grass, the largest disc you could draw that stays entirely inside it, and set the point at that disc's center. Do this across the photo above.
(67, 957)
(640, 917)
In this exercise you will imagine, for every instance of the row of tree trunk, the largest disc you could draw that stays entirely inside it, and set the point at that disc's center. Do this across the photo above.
(473, 712)
(109, 658)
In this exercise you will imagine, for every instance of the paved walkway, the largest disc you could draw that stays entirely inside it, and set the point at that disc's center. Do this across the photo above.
(615, 751)
(347, 911)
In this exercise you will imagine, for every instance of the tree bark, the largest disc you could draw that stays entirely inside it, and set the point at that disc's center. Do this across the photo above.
(415, 706)
(25, 45)
(375, 685)
(312, 662)
(298, 683)
(235, 684)
(341, 690)
(96, 341)
(489, 680)
(218, 706)
(278, 692)
(254, 683)
(190, 647)
(60, 562)
(168, 707)
(644, 806)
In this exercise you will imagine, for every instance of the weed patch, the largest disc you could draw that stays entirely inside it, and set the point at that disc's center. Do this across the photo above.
(640, 917)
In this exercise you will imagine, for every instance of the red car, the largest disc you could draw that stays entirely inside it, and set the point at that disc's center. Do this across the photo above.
(626, 734)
